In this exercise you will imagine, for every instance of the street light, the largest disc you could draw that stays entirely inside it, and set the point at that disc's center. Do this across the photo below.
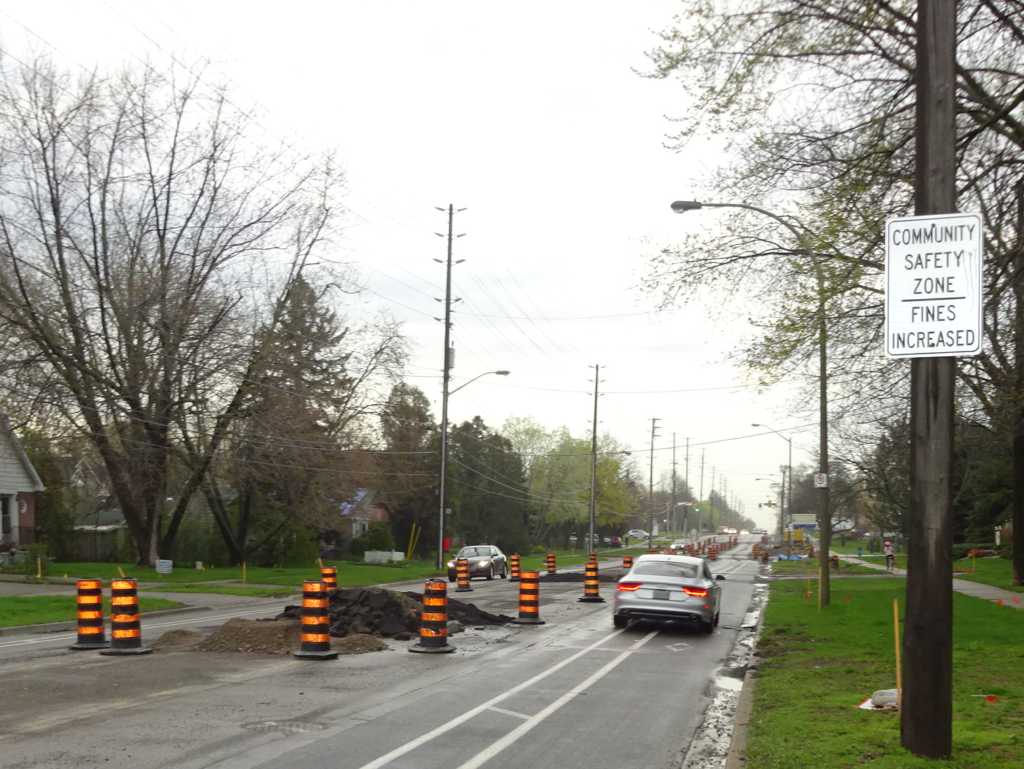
(444, 454)
(787, 496)
(824, 516)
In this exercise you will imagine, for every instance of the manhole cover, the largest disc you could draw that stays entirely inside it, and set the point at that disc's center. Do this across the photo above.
(289, 727)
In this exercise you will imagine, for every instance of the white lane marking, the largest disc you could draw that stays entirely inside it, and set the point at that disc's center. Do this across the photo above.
(510, 713)
(387, 758)
(677, 647)
(486, 755)
(65, 637)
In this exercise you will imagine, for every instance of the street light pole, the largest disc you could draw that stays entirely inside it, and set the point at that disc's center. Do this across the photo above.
(824, 516)
(445, 394)
(789, 473)
(593, 460)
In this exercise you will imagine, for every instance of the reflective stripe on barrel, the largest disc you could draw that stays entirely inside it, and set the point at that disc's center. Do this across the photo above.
(91, 634)
(593, 556)
(514, 573)
(551, 564)
(329, 576)
(529, 599)
(434, 619)
(125, 622)
(627, 562)
(316, 622)
(462, 575)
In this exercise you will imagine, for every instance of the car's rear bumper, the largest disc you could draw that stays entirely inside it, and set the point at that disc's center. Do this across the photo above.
(689, 611)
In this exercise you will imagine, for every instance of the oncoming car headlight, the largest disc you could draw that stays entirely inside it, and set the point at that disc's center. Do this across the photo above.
(451, 564)
(484, 562)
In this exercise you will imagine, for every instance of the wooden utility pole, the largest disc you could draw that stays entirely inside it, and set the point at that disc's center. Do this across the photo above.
(926, 721)
(593, 462)
(650, 509)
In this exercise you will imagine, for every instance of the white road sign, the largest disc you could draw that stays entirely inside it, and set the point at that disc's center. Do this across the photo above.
(821, 480)
(933, 296)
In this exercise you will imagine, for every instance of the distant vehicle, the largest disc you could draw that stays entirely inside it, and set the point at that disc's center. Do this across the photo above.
(484, 561)
(614, 542)
(669, 587)
(677, 545)
(637, 534)
(744, 532)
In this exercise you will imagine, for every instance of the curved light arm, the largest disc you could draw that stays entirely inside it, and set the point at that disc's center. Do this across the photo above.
(499, 373)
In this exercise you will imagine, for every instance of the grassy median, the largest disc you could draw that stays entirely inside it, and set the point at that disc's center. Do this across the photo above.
(818, 666)
(18, 610)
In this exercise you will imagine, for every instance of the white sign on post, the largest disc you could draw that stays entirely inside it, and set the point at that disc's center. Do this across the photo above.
(933, 289)
(821, 480)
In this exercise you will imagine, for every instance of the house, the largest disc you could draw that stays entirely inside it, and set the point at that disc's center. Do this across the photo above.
(359, 511)
(18, 483)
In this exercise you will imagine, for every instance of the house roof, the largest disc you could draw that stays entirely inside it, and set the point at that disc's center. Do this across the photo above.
(16, 470)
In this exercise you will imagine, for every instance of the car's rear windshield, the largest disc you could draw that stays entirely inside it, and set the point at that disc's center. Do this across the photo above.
(473, 552)
(666, 569)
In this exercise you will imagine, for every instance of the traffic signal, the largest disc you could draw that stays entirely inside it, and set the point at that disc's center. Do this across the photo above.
(760, 506)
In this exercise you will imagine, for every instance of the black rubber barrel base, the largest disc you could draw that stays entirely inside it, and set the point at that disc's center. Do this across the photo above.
(463, 590)
(125, 652)
(301, 655)
(446, 649)
(590, 599)
(80, 646)
(528, 621)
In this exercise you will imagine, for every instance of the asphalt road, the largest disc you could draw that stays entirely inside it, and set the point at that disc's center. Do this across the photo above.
(574, 692)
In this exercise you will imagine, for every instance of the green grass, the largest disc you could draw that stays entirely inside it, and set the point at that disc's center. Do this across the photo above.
(254, 592)
(32, 609)
(997, 572)
(817, 667)
(349, 573)
(799, 568)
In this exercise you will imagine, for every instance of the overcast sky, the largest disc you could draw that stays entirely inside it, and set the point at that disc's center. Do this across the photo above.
(533, 118)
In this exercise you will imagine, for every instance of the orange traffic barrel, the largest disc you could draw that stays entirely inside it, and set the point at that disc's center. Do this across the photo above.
(627, 562)
(529, 599)
(462, 575)
(712, 553)
(434, 620)
(514, 573)
(125, 625)
(653, 550)
(316, 624)
(551, 564)
(590, 584)
(329, 576)
(593, 557)
(764, 556)
(90, 615)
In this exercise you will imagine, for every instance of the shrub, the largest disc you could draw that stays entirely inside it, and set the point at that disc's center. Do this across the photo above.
(377, 537)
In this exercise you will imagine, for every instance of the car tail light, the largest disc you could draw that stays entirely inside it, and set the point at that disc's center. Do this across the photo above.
(630, 586)
(695, 591)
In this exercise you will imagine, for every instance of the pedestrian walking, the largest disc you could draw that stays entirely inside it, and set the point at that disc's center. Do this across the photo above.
(890, 559)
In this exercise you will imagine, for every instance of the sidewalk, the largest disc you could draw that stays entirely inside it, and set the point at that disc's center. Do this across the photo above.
(976, 589)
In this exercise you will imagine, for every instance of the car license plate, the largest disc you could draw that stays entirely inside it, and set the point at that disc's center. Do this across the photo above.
(662, 594)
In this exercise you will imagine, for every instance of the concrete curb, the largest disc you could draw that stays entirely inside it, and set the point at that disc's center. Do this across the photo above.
(61, 627)
(745, 705)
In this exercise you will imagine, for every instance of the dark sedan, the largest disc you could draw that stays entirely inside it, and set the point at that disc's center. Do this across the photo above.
(484, 561)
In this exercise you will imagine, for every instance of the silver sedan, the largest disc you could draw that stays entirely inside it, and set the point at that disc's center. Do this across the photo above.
(669, 587)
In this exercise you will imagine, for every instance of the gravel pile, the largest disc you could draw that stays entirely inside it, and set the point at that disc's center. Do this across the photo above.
(381, 612)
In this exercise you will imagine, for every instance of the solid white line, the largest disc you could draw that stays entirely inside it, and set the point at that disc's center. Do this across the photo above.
(387, 758)
(491, 751)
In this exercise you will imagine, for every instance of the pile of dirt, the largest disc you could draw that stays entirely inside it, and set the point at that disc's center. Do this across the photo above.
(246, 635)
(381, 612)
(178, 641)
(258, 637)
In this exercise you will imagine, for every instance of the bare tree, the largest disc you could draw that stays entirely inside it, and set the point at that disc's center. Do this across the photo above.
(139, 219)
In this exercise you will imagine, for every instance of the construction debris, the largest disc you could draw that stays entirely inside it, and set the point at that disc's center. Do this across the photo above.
(381, 612)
